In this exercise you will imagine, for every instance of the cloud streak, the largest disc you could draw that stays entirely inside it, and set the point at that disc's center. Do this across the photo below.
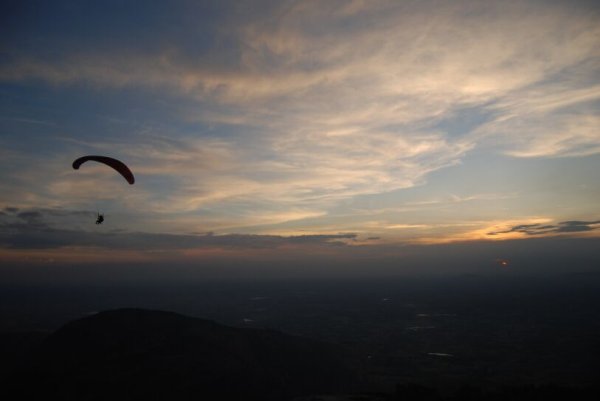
(573, 226)
(32, 229)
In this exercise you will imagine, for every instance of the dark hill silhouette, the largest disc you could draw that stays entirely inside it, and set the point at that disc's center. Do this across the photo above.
(132, 354)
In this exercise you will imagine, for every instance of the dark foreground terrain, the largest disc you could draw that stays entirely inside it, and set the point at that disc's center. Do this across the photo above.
(447, 339)
(143, 355)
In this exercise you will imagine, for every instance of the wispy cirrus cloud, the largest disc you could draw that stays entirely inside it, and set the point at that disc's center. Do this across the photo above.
(548, 121)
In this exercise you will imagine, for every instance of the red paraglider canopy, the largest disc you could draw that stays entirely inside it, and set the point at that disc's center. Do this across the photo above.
(109, 161)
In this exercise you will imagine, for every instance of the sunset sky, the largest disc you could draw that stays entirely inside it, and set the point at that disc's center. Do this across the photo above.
(320, 130)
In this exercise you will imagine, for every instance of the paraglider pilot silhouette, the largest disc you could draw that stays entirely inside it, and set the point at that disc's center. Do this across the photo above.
(100, 218)
(117, 165)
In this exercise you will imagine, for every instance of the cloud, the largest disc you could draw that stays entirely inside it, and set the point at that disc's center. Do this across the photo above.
(33, 229)
(547, 121)
(307, 105)
(578, 226)
(573, 226)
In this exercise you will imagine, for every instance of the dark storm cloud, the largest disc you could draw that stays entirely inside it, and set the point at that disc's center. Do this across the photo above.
(30, 230)
(562, 227)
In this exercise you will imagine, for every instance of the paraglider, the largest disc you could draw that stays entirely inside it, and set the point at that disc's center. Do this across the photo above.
(117, 165)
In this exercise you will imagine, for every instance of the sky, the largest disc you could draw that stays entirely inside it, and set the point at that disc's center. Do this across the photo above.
(347, 135)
